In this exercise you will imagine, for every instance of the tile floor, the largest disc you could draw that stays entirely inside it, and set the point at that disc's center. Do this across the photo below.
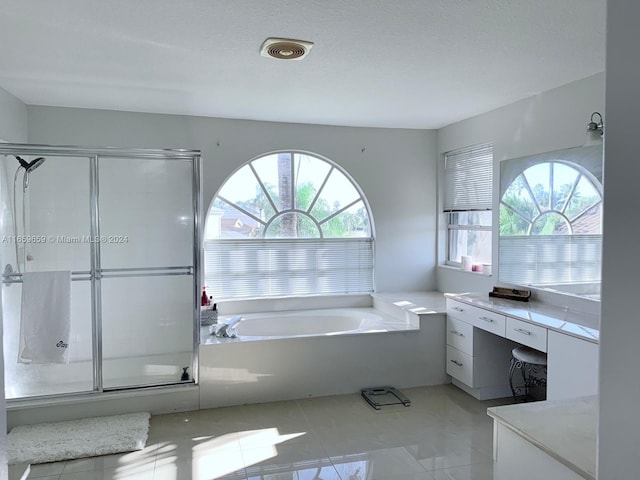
(444, 435)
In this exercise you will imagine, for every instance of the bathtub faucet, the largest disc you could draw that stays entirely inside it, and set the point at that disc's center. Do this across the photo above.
(226, 329)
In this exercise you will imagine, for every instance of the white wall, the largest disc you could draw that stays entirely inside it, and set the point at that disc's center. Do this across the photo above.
(395, 168)
(619, 434)
(13, 118)
(13, 128)
(549, 121)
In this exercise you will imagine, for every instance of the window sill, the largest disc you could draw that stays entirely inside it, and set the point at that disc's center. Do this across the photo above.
(458, 269)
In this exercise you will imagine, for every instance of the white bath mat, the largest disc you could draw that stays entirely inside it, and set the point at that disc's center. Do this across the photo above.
(89, 437)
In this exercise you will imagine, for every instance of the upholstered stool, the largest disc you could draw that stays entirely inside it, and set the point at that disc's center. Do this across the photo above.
(533, 368)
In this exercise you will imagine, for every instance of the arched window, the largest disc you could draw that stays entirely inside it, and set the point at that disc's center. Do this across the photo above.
(288, 223)
(551, 198)
(550, 226)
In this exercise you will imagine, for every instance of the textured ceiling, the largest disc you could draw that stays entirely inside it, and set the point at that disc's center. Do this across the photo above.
(382, 63)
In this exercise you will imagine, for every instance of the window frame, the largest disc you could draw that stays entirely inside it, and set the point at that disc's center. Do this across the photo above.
(365, 241)
(453, 228)
(451, 206)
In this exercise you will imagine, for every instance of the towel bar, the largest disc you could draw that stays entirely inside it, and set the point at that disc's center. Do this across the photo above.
(9, 276)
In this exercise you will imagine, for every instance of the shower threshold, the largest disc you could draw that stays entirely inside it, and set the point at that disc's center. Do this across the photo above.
(379, 397)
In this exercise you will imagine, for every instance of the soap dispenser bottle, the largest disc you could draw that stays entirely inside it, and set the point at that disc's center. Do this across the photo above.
(204, 300)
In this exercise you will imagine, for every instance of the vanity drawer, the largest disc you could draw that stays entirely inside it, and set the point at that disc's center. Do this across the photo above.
(460, 335)
(489, 321)
(458, 310)
(478, 317)
(533, 336)
(460, 365)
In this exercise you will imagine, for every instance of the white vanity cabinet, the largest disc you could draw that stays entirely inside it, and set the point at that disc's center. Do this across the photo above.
(477, 354)
(480, 340)
(572, 367)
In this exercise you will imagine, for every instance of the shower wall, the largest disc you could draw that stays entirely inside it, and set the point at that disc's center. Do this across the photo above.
(146, 224)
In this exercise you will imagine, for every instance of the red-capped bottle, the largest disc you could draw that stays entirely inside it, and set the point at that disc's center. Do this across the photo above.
(205, 298)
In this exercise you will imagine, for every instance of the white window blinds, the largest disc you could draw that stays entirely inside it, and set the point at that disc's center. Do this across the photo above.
(550, 259)
(468, 179)
(277, 267)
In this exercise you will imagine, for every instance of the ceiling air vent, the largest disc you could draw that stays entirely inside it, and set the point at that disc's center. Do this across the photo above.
(285, 48)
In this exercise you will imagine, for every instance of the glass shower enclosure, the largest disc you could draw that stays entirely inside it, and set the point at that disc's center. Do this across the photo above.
(125, 224)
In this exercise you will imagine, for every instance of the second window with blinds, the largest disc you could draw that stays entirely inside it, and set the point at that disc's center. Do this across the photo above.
(468, 187)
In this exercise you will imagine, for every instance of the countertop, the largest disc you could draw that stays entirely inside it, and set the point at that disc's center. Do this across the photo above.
(574, 323)
(566, 430)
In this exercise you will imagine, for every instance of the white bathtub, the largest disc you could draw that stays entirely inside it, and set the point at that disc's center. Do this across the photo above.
(312, 323)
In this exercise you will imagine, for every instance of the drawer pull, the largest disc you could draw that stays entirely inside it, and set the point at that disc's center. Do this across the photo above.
(522, 331)
(455, 332)
(487, 319)
(456, 362)
(458, 309)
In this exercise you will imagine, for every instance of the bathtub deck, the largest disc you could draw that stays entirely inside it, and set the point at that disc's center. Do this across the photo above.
(387, 323)
(233, 371)
(421, 303)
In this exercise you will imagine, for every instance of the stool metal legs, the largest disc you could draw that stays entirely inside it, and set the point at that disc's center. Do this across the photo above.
(512, 367)
(531, 377)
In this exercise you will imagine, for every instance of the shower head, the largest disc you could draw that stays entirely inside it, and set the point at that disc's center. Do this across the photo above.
(35, 163)
(32, 165)
(28, 167)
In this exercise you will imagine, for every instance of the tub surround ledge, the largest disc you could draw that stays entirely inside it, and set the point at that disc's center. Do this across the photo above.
(373, 321)
(409, 304)
(396, 312)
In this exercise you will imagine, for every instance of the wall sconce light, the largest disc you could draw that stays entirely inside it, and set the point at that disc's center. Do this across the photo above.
(595, 130)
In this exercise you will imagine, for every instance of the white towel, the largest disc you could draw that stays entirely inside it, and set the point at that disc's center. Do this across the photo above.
(46, 317)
